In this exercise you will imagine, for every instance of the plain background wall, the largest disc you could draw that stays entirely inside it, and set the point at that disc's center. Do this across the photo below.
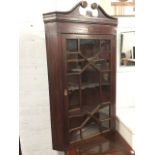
(125, 75)
(35, 130)
(125, 88)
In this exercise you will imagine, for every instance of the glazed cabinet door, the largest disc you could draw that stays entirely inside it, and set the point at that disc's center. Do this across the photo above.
(89, 85)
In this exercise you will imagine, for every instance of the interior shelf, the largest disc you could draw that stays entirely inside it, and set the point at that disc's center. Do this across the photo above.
(73, 73)
(87, 85)
(82, 60)
(78, 72)
(86, 108)
(75, 52)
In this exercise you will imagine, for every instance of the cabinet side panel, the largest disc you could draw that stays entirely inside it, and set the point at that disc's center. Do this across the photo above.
(55, 77)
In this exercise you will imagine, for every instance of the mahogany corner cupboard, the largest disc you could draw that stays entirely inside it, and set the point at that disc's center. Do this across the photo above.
(81, 58)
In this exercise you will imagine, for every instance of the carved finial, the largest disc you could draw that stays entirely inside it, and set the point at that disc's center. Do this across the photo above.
(84, 4)
(94, 6)
(88, 8)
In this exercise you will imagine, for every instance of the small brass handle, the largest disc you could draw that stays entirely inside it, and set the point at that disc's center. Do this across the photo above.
(65, 92)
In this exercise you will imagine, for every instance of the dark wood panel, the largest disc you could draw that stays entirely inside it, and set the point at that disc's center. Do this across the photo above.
(55, 76)
(72, 28)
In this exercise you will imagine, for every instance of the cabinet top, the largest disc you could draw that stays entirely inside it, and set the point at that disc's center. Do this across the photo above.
(74, 16)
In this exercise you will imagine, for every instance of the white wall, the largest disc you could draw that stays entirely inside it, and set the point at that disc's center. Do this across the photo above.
(125, 75)
(34, 100)
(125, 89)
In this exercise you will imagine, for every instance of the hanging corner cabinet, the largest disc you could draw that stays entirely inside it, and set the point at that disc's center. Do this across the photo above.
(81, 57)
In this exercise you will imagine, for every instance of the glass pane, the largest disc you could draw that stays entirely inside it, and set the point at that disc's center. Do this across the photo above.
(88, 84)
(89, 47)
(102, 61)
(104, 113)
(90, 76)
(73, 91)
(105, 93)
(105, 86)
(105, 45)
(73, 82)
(72, 45)
(75, 63)
(73, 97)
(90, 124)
